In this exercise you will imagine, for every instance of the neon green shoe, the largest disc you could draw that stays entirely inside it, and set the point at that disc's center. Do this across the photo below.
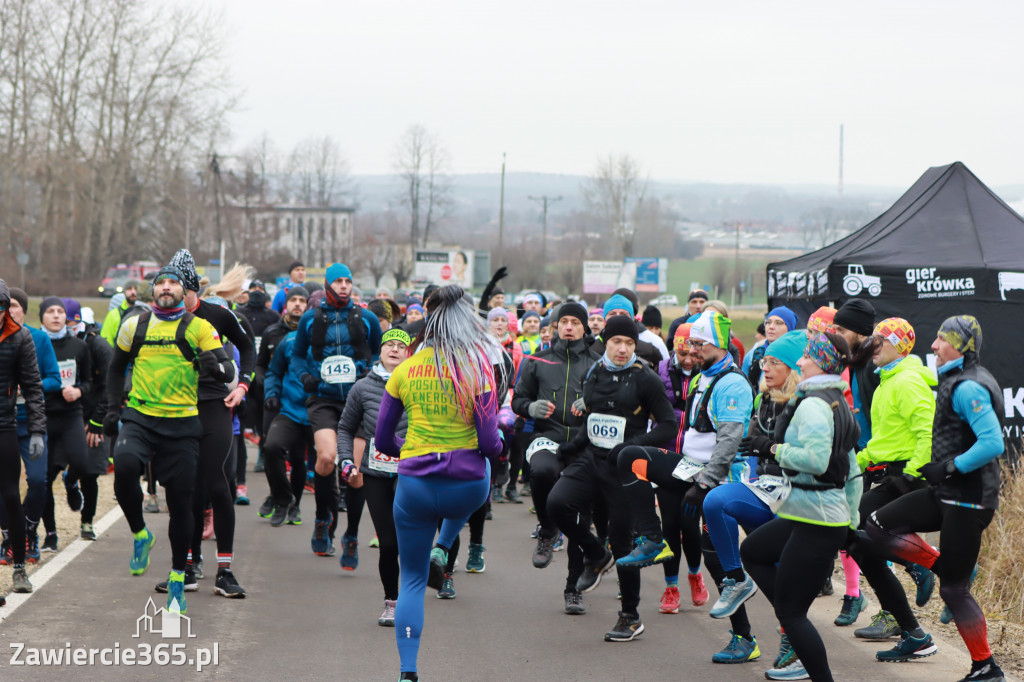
(176, 591)
(144, 541)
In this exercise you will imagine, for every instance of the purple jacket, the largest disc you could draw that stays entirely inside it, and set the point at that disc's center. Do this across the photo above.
(666, 370)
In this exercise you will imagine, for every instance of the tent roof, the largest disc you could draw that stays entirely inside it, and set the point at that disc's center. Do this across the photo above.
(947, 218)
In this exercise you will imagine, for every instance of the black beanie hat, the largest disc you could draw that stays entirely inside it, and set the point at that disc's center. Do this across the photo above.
(48, 302)
(5, 295)
(619, 325)
(698, 293)
(19, 295)
(631, 295)
(182, 259)
(295, 264)
(572, 309)
(297, 291)
(651, 317)
(857, 315)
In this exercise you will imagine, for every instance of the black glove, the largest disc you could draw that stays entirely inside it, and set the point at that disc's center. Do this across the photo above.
(756, 446)
(566, 452)
(93, 427)
(310, 383)
(209, 365)
(500, 274)
(110, 421)
(272, 404)
(937, 472)
(693, 500)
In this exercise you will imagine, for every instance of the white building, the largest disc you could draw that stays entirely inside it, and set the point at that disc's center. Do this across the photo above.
(316, 235)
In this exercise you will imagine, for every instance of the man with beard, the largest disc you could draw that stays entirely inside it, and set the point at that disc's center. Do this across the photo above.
(113, 320)
(168, 349)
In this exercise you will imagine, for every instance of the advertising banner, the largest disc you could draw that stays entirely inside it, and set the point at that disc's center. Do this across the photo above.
(445, 267)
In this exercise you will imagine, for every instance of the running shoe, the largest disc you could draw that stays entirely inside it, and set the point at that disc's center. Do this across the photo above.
(20, 582)
(387, 618)
(786, 654)
(280, 515)
(908, 649)
(512, 495)
(574, 603)
(207, 525)
(669, 600)
(438, 561)
(646, 553)
(176, 591)
(140, 552)
(476, 563)
(543, 553)
(374, 543)
(883, 626)
(738, 650)
(733, 596)
(49, 542)
(946, 617)
(6, 556)
(496, 495)
(267, 508)
(852, 607)
(32, 548)
(242, 496)
(527, 490)
(985, 671)
(294, 515)
(349, 553)
(559, 543)
(322, 543)
(74, 492)
(191, 583)
(627, 628)
(88, 532)
(260, 467)
(536, 532)
(793, 671)
(827, 590)
(447, 590)
(698, 591)
(592, 572)
(343, 500)
(152, 504)
(197, 568)
(227, 585)
(925, 581)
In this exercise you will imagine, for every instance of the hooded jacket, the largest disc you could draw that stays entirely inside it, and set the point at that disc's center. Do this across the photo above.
(257, 313)
(902, 415)
(555, 374)
(337, 342)
(282, 380)
(361, 409)
(18, 368)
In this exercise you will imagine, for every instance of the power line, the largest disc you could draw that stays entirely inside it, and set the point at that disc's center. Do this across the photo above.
(544, 201)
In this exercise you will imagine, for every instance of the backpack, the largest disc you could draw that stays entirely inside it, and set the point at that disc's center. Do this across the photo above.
(356, 334)
(844, 439)
(179, 340)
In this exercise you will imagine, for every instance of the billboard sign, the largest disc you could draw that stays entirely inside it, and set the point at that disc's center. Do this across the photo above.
(445, 267)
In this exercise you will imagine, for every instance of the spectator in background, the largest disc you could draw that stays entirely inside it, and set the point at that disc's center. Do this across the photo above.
(777, 322)
(382, 310)
(694, 306)
(383, 292)
(296, 276)
(113, 320)
(651, 320)
(414, 313)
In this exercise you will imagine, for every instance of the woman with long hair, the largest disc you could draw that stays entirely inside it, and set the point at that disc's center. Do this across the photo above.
(449, 392)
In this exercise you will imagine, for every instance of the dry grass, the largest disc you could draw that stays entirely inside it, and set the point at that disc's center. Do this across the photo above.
(1000, 584)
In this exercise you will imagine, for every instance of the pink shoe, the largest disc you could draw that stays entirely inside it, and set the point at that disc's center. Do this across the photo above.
(698, 593)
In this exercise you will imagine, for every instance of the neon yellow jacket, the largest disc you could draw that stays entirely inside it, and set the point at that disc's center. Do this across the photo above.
(902, 412)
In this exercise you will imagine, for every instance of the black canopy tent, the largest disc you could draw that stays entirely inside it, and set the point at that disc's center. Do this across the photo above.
(948, 246)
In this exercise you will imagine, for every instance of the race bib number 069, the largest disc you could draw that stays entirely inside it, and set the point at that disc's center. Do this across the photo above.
(606, 431)
(338, 369)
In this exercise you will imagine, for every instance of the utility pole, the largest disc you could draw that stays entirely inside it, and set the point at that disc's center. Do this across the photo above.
(544, 201)
(501, 216)
(840, 160)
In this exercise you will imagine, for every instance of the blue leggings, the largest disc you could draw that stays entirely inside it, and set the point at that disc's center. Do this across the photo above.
(726, 508)
(420, 502)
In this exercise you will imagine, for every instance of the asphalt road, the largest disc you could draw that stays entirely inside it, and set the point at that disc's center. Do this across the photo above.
(306, 618)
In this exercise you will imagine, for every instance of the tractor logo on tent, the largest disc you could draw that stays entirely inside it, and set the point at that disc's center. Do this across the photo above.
(856, 281)
(1010, 280)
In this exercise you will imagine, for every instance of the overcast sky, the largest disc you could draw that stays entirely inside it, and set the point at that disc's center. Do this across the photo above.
(744, 91)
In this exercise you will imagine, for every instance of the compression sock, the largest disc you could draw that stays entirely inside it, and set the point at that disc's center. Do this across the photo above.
(694, 570)
(223, 561)
(851, 573)
(188, 561)
(671, 581)
(736, 574)
(325, 492)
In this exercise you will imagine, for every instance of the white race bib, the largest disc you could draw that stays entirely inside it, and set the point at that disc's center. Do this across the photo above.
(772, 490)
(68, 372)
(338, 369)
(687, 469)
(605, 430)
(540, 444)
(379, 461)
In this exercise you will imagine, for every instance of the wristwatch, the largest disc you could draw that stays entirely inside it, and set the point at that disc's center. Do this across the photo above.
(774, 449)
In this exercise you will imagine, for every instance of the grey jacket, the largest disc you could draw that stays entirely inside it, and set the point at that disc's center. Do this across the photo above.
(361, 409)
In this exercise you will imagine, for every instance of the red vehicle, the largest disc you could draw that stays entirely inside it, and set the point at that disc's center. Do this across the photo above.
(118, 275)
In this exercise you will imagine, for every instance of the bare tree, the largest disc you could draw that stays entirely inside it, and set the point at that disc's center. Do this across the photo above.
(421, 163)
(615, 194)
(320, 171)
(370, 247)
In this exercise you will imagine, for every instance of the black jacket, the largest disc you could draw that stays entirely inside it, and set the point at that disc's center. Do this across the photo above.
(72, 357)
(230, 329)
(272, 336)
(94, 401)
(257, 313)
(18, 368)
(555, 374)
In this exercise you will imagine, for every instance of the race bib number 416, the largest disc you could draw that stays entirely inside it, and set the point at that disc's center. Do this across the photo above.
(338, 369)
(605, 430)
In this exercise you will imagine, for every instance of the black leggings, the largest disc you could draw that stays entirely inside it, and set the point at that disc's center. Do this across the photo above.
(516, 457)
(214, 474)
(10, 477)
(380, 500)
(895, 526)
(286, 440)
(354, 500)
(241, 459)
(682, 532)
(789, 561)
(872, 558)
(66, 447)
(127, 470)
